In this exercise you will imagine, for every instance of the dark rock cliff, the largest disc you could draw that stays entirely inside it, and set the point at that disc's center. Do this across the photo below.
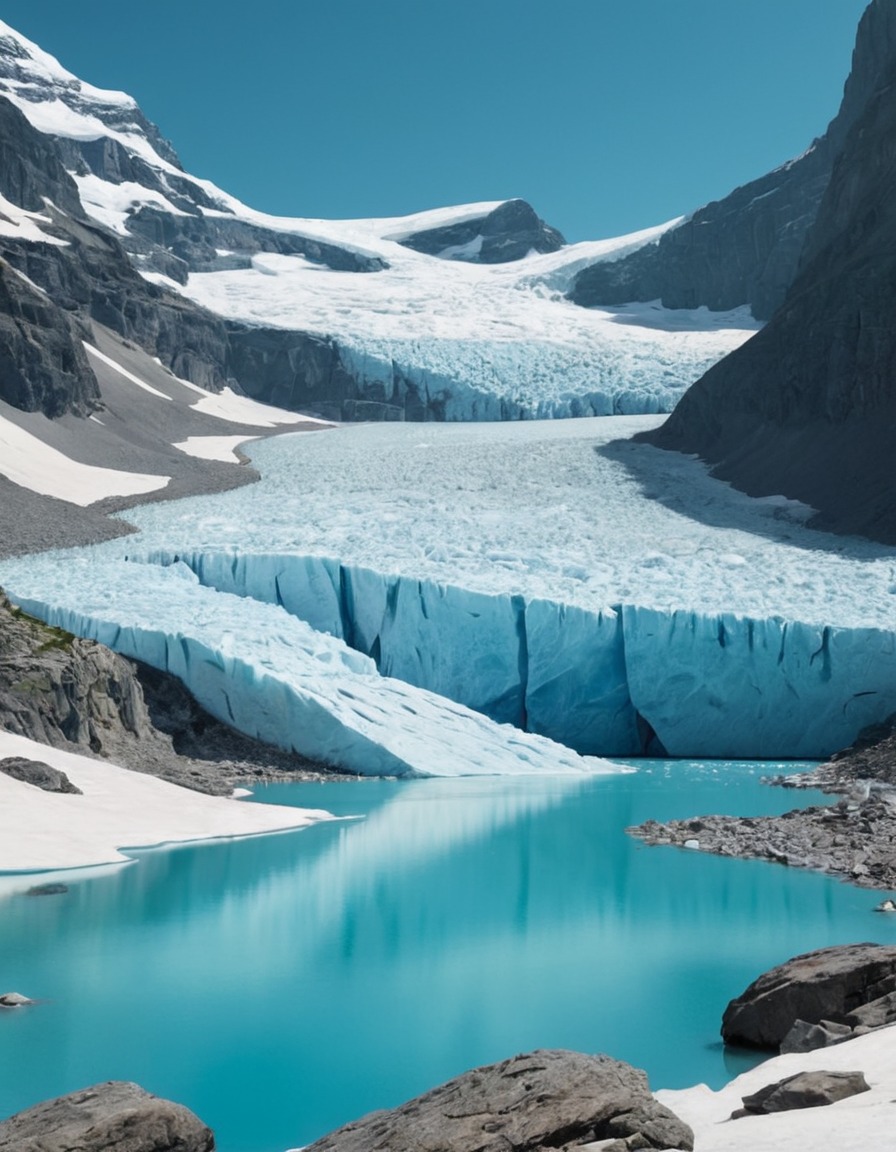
(747, 248)
(509, 232)
(807, 407)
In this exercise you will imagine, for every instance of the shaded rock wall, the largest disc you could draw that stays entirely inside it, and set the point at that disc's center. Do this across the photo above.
(807, 407)
(749, 247)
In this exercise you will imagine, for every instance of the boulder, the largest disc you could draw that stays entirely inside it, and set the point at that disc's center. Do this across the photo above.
(804, 1037)
(541, 1100)
(38, 774)
(804, 1090)
(111, 1117)
(13, 1000)
(826, 985)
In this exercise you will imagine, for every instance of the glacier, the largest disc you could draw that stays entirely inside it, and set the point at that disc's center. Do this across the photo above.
(582, 588)
(270, 675)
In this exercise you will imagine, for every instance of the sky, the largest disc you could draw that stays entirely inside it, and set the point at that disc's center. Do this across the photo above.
(606, 115)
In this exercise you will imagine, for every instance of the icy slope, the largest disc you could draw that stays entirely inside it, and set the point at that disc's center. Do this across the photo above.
(267, 673)
(604, 594)
(410, 333)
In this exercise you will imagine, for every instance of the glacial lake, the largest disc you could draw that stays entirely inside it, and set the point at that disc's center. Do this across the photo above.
(283, 985)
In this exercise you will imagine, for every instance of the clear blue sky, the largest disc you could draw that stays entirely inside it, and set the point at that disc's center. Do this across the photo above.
(608, 115)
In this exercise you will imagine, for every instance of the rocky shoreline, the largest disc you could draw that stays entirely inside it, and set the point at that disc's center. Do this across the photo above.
(854, 838)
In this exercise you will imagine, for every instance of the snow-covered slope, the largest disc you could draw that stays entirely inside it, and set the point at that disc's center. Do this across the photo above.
(117, 810)
(407, 333)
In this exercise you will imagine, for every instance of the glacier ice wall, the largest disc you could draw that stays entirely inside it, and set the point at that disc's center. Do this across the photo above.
(622, 681)
(267, 673)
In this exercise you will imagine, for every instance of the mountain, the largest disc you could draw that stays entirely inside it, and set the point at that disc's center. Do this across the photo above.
(808, 407)
(746, 248)
(456, 313)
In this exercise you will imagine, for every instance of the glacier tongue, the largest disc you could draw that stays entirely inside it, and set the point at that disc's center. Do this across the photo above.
(269, 674)
(624, 681)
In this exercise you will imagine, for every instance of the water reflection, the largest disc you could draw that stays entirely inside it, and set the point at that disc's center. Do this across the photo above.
(283, 985)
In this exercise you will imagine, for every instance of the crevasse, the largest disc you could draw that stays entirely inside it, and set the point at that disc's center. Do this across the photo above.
(626, 680)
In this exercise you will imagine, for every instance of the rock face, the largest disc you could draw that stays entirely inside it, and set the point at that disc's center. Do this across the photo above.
(112, 1117)
(807, 407)
(832, 984)
(748, 247)
(38, 775)
(804, 1090)
(546, 1099)
(509, 232)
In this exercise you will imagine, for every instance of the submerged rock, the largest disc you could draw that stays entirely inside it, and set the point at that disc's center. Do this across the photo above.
(47, 890)
(111, 1117)
(542, 1100)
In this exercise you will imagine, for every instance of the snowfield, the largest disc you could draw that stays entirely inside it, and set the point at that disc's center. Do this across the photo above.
(40, 831)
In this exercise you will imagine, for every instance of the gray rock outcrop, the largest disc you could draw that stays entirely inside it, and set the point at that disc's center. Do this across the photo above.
(112, 1117)
(509, 232)
(853, 840)
(831, 984)
(804, 1090)
(534, 1102)
(748, 247)
(38, 775)
(807, 406)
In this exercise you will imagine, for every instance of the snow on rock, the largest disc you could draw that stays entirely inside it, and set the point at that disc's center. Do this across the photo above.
(853, 1125)
(26, 460)
(117, 810)
(269, 674)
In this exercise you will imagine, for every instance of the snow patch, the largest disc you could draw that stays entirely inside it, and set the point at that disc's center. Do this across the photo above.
(118, 810)
(26, 460)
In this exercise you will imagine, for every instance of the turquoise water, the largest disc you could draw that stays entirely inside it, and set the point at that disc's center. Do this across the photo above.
(283, 985)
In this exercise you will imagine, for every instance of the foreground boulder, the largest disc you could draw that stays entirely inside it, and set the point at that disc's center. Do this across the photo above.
(804, 1090)
(112, 1117)
(541, 1100)
(832, 986)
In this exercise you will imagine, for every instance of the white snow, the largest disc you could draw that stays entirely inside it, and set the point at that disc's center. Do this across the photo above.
(213, 447)
(28, 461)
(109, 362)
(42, 66)
(22, 225)
(476, 335)
(118, 810)
(854, 1125)
(111, 204)
(476, 342)
(227, 405)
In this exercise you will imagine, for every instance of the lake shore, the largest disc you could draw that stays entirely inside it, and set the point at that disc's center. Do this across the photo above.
(118, 810)
(852, 839)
